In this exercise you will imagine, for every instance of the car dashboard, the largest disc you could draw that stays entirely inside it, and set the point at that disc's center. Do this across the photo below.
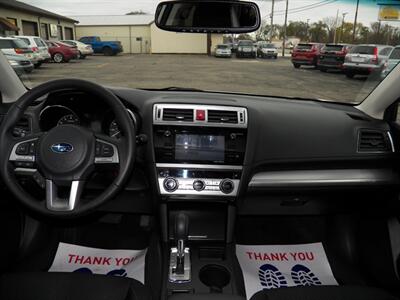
(199, 146)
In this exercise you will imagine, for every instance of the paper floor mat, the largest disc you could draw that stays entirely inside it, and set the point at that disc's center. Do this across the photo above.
(275, 266)
(125, 263)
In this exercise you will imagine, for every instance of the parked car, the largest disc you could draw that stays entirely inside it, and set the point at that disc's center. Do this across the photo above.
(306, 54)
(38, 47)
(106, 47)
(267, 51)
(393, 61)
(84, 49)
(246, 49)
(61, 52)
(332, 56)
(366, 60)
(10, 45)
(20, 63)
(223, 50)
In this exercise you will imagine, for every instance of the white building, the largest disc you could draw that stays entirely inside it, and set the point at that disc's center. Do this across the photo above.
(138, 34)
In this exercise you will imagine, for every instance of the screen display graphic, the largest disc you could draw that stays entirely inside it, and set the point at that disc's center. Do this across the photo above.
(194, 147)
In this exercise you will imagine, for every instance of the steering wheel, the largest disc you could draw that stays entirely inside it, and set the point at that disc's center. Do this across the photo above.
(66, 155)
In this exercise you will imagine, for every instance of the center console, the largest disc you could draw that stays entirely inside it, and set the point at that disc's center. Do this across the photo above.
(199, 149)
(199, 155)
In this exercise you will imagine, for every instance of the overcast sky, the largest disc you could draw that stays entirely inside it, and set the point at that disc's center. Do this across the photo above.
(368, 11)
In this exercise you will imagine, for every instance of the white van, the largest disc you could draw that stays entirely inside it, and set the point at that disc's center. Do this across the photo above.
(13, 46)
(38, 46)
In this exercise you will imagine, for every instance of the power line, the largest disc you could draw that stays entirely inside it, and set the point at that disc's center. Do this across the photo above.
(309, 8)
(301, 7)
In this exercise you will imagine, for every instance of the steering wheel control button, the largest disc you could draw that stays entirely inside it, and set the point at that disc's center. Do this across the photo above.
(170, 184)
(199, 185)
(227, 186)
(23, 149)
(24, 164)
(23, 154)
(32, 148)
(104, 150)
(105, 153)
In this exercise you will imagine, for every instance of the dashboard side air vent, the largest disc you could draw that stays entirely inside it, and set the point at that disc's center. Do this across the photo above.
(23, 127)
(222, 116)
(374, 141)
(173, 114)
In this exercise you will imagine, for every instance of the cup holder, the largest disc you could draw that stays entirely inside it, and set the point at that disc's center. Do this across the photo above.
(216, 277)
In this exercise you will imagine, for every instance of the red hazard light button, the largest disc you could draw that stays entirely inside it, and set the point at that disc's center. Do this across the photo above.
(200, 115)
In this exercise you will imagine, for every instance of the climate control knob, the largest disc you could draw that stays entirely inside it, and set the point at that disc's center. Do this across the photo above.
(226, 186)
(170, 184)
(199, 185)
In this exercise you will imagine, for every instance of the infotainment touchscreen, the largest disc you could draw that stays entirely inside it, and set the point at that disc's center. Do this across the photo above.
(195, 147)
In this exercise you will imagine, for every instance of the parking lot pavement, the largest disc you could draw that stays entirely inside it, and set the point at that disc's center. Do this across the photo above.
(261, 76)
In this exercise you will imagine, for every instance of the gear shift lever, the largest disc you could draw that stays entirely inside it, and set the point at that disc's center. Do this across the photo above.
(181, 236)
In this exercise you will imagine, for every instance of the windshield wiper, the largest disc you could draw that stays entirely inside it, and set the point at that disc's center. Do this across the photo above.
(177, 88)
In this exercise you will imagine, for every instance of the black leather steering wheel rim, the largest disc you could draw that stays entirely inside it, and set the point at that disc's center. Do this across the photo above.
(126, 146)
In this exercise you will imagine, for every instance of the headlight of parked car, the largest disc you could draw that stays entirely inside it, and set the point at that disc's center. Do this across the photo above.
(13, 62)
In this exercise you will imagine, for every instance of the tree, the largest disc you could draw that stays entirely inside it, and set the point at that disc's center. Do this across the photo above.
(263, 32)
(244, 36)
(298, 29)
(363, 34)
(347, 33)
(319, 32)
(331, 25)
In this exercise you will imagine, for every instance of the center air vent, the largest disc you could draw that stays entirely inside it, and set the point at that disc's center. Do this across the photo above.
(199, 115)
(222, 116)
(374, 141)
(172, 114)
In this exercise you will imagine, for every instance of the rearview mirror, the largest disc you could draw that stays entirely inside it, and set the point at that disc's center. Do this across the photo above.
(206, 16)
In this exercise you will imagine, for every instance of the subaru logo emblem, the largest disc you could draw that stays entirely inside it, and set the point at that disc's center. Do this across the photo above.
(62, 148)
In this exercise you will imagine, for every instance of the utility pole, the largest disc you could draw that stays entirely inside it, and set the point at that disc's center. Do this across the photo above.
(355, 21)
(307, 35)
(378, 33)
(272, 21)
(341, 30)
(335, 28)
(284, 29)
(389, 35)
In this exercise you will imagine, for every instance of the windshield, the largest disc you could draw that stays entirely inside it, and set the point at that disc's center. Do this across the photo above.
(304, 47)
(246, 43)
(39, 42)
(395, 53)
(222, 47)
(363, 50)
(335, 48)
(20, 44)
(122, 47)
(267, 46)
